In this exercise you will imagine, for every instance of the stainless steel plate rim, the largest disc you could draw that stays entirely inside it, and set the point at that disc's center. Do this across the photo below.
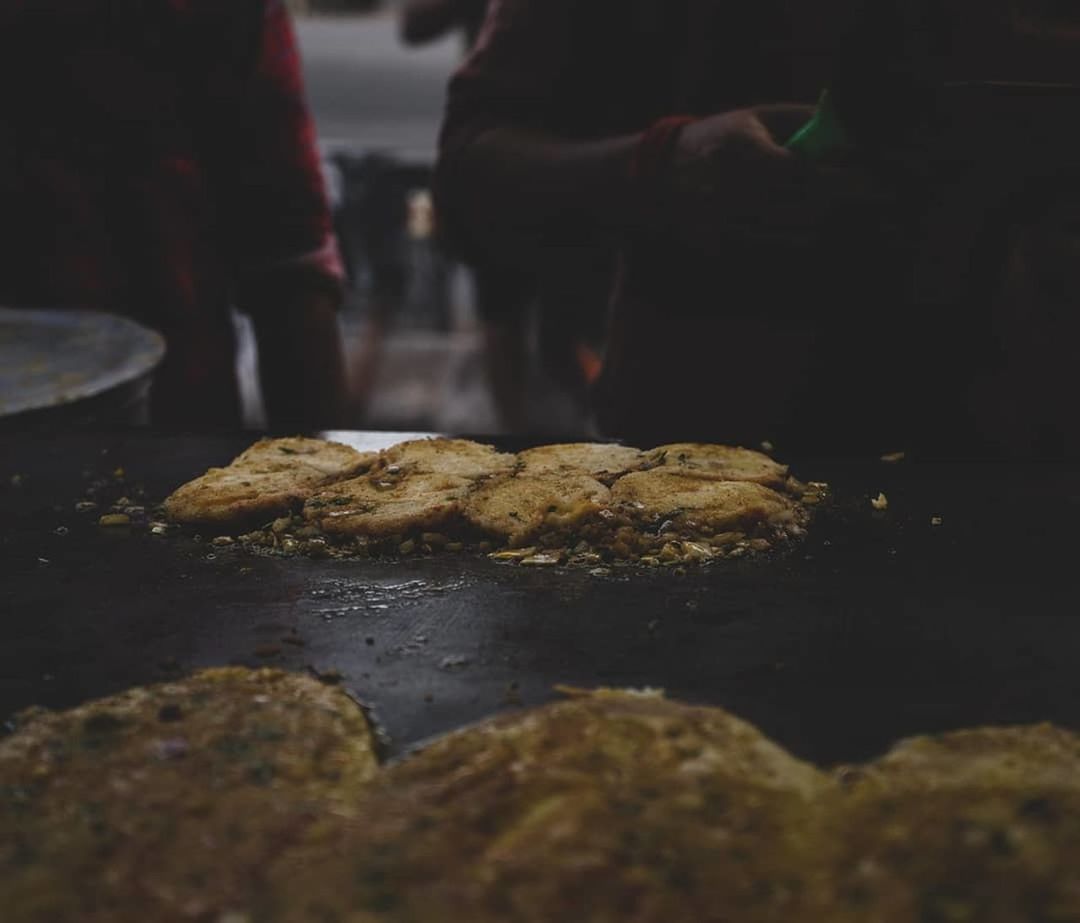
(51, 357)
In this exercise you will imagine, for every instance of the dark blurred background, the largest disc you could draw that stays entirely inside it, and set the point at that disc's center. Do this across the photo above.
(414, 342)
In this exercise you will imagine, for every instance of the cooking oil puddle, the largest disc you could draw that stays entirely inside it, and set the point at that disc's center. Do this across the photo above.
(337, 599)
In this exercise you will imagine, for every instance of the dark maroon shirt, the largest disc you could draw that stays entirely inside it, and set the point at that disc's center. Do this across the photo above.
(157, 159)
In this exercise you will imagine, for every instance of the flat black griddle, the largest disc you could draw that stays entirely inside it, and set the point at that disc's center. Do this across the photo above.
(879, 626)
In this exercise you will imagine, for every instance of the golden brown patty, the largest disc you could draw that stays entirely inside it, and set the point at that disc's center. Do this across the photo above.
(696, 506)
(378, 507)
(168, 802)
(979, 825)
(519, 508)
(458, 457)
(722, 462)
(333, 459)
(602, 461)
(269, 479)
(612, 807)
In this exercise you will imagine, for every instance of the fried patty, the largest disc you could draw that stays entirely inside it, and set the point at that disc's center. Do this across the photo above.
(458, 457)
(604, 462)
(975, 825)
(611, 807)
(517, 509)
(269, 479)
(168, 802)
(380, 507)
(254, 795)
(701, 506)
(721, 462)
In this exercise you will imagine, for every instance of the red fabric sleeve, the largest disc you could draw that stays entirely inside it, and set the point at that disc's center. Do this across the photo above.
(654, 151)
(650, 161)
(276, 213)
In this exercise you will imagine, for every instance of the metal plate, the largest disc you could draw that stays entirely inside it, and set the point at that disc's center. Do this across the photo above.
(50, 358)
(880, 626)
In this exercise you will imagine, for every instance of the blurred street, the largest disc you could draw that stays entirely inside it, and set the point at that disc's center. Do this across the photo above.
(369, 94)
(367, 90)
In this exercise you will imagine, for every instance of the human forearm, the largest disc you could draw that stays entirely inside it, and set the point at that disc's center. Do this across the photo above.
(301, 361)
(523, 195)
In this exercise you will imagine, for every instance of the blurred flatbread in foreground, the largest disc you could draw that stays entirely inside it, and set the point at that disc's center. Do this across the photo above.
(168, 802)
(612, 806)
(980, 825)
(254, 795)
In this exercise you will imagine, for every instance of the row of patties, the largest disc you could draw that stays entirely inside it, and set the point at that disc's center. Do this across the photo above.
(624, 501)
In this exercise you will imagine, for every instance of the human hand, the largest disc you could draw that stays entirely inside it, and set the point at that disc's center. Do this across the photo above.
(730, 174)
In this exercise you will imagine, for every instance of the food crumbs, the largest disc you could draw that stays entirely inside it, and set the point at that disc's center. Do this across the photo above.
(891, 458)
(115, 519)
(881, 502)
(936, 520)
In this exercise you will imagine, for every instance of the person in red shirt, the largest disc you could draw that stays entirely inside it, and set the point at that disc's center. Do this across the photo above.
(158, 160)
(758, 295)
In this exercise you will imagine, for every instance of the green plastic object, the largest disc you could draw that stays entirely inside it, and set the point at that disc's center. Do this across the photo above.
(824, 136)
